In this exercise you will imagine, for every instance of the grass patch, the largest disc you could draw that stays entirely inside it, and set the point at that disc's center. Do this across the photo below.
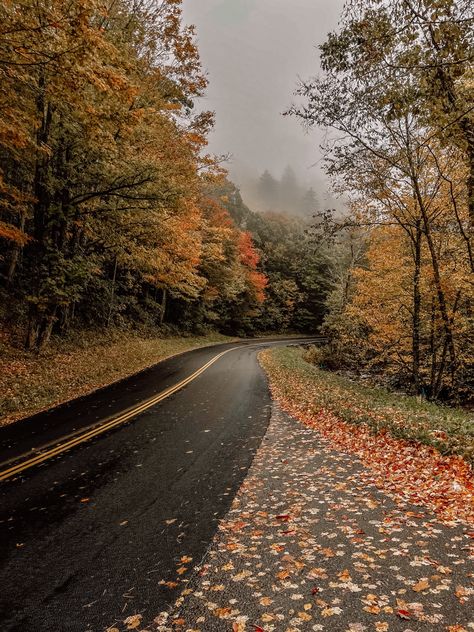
(73, 367)
(310, 390)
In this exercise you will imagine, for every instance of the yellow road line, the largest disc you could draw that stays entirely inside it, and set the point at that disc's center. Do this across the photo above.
(106, 425)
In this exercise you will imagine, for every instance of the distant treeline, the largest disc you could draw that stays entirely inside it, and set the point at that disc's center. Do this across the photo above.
(285, 195)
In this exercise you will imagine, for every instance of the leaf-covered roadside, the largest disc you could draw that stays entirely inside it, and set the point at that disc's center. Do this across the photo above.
(68, 369)
(420, 452)
(310, 544)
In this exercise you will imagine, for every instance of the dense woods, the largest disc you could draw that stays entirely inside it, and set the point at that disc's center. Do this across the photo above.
(111, 213)
(397, 93)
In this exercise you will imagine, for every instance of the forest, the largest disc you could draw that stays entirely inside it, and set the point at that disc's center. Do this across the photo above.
(286, 194)
(112, 214)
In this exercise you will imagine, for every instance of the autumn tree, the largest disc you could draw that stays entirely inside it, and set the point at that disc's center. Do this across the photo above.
(268, 191)
(298, 276)
(110, 208)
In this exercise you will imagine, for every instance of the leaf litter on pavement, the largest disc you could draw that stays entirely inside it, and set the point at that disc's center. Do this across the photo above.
(334, 529)
(409, 470)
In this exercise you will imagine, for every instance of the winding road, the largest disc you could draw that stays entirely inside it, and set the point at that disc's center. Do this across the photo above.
(102, 498)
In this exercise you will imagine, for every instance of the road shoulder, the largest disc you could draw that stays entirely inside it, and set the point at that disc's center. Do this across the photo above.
(309, 545)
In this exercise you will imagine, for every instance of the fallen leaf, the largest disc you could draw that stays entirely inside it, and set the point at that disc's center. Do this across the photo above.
(304, 616)
(267, 617)
(266, 601)
(171, 584)
(345, 576)
(373, 609)
(330, 612)
(404, 614)
(421, 585)
(133, 621)
(462, 593)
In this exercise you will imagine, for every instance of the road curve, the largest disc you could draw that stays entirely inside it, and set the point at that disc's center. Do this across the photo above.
(89, 533)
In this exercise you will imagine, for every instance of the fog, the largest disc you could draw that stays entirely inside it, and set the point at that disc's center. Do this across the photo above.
(253, 52)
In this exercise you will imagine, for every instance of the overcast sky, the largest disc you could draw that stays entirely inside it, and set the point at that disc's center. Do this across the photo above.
(254, 51)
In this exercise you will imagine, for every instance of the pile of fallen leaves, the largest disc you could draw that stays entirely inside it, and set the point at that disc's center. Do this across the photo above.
(386, 438)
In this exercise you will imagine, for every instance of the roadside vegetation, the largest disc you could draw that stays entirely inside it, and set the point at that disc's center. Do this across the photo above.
(117, 229)
(76, 365)
(113, 216)
(312, 390)
(395, 93)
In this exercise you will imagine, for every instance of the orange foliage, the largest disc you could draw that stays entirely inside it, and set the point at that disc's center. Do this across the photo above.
(11, 233)
(258, 282)
(248, 255)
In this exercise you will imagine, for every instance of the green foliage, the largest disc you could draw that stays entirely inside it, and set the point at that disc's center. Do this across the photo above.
(449, 430)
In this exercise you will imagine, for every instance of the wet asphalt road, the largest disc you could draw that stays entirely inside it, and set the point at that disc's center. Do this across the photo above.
(87, 537)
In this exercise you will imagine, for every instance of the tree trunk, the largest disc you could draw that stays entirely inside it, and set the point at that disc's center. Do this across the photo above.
(416, 310)
(437, 278)
(40, 321)
(439, 377)
(40, 327)
(433, 348)
(15, 254)
(112, 294)
(45, 330)
(468, 132)
(32, 330)
(163, 306)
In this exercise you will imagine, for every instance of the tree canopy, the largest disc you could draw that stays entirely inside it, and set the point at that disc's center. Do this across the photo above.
(108, 207)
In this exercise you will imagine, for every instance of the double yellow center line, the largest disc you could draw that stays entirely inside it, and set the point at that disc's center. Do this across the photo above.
(93, 431)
